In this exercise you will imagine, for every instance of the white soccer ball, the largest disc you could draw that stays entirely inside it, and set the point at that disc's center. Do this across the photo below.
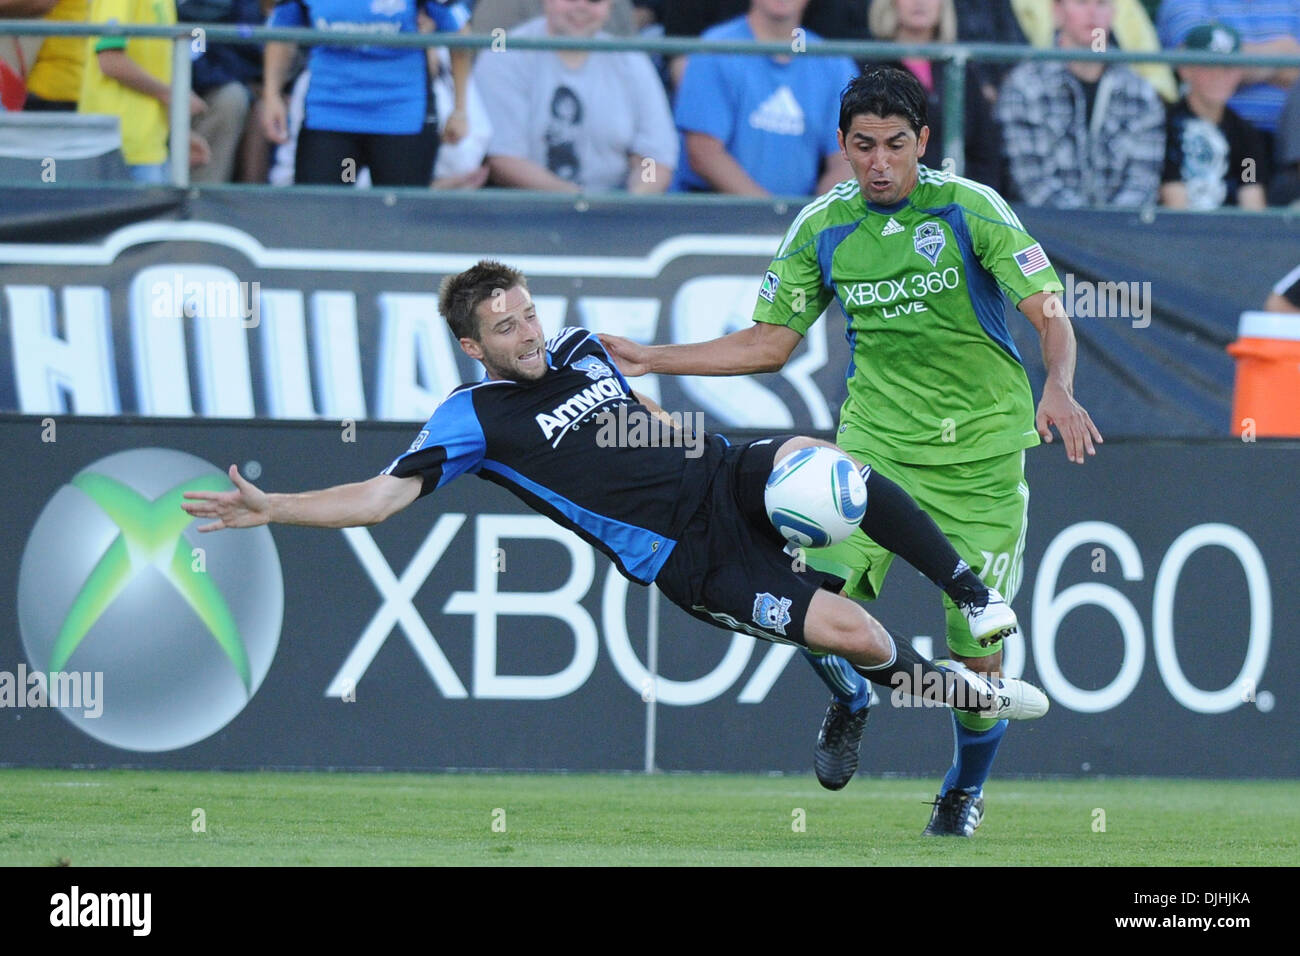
(815, 497)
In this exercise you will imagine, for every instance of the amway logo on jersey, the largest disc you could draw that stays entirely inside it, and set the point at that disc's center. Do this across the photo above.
(566, 414)
(340, 333)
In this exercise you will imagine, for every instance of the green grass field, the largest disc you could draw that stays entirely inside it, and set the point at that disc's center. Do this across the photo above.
(146, 818)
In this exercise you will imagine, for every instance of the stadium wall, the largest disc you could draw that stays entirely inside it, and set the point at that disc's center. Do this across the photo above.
(465, 633)
(319, 304)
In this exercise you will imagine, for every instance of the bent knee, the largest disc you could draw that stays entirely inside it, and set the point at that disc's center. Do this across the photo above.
(842, 627)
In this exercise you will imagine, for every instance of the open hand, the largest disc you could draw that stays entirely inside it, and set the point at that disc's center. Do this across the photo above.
(1059, 408)
(245, 507)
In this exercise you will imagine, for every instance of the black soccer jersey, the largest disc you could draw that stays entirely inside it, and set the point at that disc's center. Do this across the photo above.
(550, 443)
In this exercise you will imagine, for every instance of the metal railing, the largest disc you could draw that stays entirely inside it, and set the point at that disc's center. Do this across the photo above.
(954, 56)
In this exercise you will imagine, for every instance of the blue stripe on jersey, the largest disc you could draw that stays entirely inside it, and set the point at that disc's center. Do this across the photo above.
(985, 295)
(465, 449)
(629, 545)
(828, 240)
(454, 426)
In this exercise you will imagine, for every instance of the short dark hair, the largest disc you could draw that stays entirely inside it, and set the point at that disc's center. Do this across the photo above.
(461, 294)
(884, 91)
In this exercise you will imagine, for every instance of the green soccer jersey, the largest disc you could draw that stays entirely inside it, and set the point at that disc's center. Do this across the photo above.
(934, 377)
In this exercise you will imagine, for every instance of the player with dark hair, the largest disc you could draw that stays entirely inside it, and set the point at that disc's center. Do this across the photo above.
(938, 398)
(694, 526)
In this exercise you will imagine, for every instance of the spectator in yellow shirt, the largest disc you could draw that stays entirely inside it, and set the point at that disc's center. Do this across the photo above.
(54, 82)
(131, 78)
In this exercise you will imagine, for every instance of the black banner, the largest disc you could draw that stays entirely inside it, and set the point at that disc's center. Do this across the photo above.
(466, 632)
(304, 304)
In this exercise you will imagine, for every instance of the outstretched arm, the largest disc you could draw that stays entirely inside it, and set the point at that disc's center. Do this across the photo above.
(343, 506)
(762, 347)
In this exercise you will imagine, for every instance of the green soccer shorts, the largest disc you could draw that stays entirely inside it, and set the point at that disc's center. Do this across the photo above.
(983, 508)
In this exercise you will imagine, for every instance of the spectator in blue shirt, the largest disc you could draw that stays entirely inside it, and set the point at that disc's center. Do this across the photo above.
(756, 126)
(366, 106)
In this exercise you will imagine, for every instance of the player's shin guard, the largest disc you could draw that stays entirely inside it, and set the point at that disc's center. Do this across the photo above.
(973, 751)
(845, 683)
(895, 521)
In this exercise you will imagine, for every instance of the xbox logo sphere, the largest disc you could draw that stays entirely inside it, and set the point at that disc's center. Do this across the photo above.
(110, 582)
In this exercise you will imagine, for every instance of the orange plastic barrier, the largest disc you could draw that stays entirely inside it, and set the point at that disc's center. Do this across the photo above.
(1266, 400)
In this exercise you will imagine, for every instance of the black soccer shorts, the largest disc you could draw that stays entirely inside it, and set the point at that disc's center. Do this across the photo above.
(730, 567)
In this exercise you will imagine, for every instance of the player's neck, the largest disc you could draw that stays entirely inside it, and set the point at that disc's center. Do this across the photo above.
(910, 185)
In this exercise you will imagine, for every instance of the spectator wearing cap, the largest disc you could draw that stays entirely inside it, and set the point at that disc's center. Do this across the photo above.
(1082, 133)
(1213, 157)
(759, 125)
(1267, 27)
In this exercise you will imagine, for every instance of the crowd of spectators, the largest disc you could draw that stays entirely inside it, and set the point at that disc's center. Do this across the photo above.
(1089, 132)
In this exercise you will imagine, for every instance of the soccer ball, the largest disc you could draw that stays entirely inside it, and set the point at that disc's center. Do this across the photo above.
(815, 497)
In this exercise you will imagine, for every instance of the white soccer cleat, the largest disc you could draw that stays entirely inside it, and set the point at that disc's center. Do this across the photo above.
(996, 699)
(991, 621)
(1017, 700)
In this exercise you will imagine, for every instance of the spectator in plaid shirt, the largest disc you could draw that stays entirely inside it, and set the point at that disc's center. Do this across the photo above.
(1083, 133)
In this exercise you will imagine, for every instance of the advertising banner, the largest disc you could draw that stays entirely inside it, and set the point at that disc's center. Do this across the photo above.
(310, 304)
(467, 632)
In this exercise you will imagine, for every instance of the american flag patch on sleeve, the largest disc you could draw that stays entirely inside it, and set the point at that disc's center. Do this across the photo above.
(1031, 260)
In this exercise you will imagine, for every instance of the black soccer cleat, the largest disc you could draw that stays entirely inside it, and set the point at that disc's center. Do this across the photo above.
(956, 813)
(836, 755)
